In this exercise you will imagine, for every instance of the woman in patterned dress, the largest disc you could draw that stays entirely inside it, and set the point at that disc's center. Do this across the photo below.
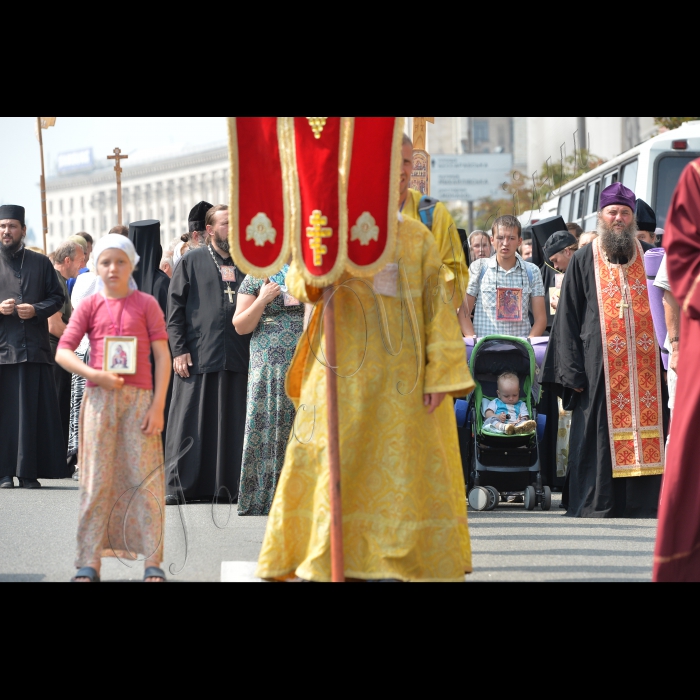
(276, 319)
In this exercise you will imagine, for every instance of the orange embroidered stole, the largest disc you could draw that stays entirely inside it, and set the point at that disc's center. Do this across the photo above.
(632, 367)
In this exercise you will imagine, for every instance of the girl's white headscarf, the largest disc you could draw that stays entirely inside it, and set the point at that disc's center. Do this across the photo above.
(114, 241)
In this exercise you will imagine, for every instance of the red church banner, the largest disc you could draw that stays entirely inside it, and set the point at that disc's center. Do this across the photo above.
(324, 189)
(259, 227)
(373, 193)
(316, 154)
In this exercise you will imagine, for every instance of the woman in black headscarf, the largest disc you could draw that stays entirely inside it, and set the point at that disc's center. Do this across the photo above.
(145, 235)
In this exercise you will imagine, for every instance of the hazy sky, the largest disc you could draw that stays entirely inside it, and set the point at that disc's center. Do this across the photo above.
(19, 149)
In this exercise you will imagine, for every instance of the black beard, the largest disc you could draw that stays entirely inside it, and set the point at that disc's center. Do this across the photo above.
(9, 250)
(618, 244)
(223, 245)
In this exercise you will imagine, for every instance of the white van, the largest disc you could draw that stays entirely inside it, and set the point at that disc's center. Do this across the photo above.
(651, 170)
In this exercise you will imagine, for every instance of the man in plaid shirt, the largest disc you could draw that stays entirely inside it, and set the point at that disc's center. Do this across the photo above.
(504, 289)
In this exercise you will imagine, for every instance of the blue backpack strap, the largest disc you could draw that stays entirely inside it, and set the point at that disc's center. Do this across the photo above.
(426, 210)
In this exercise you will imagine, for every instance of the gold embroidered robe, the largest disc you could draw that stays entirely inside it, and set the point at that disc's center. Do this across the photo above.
(404, 500)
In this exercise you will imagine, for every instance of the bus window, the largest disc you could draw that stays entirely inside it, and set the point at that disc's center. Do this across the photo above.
(565, 207)
(629, 175)
(610, 179)
(668, 171)
(592, 201)
(577, 214)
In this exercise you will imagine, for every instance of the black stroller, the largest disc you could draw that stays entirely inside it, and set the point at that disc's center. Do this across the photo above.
(505, 466)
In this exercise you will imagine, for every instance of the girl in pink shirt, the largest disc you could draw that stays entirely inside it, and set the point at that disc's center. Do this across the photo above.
(122, 490)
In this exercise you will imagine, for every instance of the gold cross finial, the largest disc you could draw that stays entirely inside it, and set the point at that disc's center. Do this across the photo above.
(317, 125)
(316, 233)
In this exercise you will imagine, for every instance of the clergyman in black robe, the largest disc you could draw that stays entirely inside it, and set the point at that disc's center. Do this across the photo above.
(211, 364)
(32, 446)
(549, 404)
(574, 370)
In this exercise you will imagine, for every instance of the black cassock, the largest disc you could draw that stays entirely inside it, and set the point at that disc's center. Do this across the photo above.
(210, 406)
(575, 360)
(549, 405)
(32, 444)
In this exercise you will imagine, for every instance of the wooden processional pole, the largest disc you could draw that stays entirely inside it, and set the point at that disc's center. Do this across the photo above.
(44, 214)
(118, 157)
(337, 546)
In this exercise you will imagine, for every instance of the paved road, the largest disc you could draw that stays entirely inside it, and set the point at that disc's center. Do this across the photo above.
(38, 543)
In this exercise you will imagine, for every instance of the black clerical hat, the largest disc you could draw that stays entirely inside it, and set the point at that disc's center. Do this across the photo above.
(546, 228)
(561, 240)
(198, 215)
(527, 233)
(12, 211)
(646, 217)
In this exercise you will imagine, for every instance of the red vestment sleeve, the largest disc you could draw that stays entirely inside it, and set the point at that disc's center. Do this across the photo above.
(683, 236)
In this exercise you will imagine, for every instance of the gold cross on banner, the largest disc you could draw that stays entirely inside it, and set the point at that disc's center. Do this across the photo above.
(316, 233)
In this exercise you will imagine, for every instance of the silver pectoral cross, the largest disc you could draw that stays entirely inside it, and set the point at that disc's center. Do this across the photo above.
(230, 293)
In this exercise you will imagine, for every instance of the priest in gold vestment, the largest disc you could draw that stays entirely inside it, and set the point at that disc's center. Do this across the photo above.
(443, 227)
(403, 493)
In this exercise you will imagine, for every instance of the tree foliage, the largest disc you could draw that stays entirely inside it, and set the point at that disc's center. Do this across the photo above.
(673, 122)
(524, 193)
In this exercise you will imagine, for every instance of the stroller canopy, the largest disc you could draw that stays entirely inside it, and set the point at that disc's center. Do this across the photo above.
(496, 355)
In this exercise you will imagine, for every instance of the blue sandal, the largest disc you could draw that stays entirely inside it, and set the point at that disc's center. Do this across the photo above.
(153, 572)
(88, 573)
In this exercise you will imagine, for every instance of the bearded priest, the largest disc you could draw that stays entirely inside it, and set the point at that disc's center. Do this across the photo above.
(603, 361)
(211, 366)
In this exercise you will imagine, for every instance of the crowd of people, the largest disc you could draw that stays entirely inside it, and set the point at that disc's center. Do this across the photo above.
(155, 377)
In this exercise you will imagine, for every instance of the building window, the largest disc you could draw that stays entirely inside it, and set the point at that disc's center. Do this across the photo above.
(60, 207)
(481, 131)
(51, 208)
(82, 204)
(61, 228)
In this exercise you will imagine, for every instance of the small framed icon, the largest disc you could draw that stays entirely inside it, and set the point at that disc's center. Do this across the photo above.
(120, 355)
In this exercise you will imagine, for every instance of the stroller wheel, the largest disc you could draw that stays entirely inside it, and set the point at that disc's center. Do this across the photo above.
(530, 498)
(547, 499)
(496, 498)
(480, 499)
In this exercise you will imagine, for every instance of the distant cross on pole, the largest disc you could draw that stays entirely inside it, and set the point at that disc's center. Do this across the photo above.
(118, 169)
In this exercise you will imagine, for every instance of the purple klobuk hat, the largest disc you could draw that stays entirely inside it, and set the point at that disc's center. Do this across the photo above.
(618, 194)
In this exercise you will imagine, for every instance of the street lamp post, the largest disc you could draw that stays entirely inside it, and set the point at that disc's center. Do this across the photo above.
(582, 133)
(470, 137)
(44, 123)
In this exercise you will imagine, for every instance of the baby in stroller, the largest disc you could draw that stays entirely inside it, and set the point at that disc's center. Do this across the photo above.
(508, 415)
